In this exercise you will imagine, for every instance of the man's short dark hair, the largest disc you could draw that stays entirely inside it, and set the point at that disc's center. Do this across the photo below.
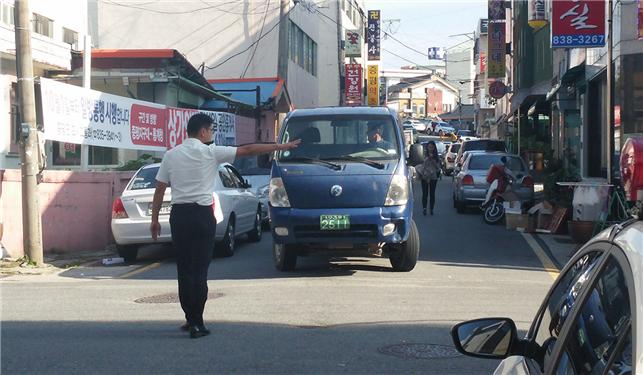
(197, 122)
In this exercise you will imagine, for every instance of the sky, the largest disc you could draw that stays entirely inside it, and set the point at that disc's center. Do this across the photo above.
(424, 24)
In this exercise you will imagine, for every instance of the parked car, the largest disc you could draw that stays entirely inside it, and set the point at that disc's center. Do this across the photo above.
(466, 135)
(417, 124)
(449, 158)
(590, 322)
(256, 170)
(236, 207)
(482, 145)
(341, 193)
(412, 128)
(470, 183)
(442, 128)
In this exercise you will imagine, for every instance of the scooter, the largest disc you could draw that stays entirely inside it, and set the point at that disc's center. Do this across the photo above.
(493, 208)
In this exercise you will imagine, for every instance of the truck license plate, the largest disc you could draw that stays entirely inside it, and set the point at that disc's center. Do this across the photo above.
(334, 222)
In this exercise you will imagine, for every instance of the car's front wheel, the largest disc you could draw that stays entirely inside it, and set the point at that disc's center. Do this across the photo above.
(257, 230)
(406, 257)
(285, 257)
(127, 252)
(226, 247)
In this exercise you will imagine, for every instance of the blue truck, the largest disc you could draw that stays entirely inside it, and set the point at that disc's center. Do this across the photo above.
(346, 190)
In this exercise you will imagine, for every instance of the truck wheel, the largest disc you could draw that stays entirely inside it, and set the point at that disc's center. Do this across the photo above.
(285, 257)
(406, 257)
(127, 252)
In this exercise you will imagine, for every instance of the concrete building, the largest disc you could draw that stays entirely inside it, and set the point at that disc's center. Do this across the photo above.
(391, 77)
(56, 31)
(460, 69)
(420, 97)
(296, 41)
(483, 106)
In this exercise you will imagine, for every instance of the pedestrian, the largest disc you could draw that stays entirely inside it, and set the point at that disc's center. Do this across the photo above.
(429, 172)
(190, 170)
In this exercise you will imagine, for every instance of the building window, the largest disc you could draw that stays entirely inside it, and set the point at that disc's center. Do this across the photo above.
(303, 50)
(42, 25)
(70, 37)
(7, 13)
(103, 155)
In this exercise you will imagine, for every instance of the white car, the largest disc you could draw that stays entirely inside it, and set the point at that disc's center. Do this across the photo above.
(257, 172)
(449, 158)
(591, 321)
(417, 124)
(236, 209)
(442, 128)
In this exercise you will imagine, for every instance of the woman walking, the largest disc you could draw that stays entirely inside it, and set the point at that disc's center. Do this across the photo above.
(429, 172)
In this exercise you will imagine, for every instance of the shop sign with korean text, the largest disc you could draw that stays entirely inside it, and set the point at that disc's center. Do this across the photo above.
(73, 114)
(640, 19)
(373, 85)
(497, 10)
(373, 35)
(352, 44)
(578, 23)
(177, 123)
(353, 84)
(496, 50)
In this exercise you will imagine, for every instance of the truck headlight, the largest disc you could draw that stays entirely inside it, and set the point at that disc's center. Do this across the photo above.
(277, 193)
(398, 192)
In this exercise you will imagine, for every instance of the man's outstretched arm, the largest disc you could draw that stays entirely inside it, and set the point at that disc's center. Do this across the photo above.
(258, 148)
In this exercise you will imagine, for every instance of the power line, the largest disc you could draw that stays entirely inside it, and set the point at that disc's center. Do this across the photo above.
(212, 7)
(403, 58)
(263, 23)
(252, 44)
(405, 45)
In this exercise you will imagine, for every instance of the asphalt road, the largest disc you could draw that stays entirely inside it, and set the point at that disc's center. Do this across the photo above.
(350, 316)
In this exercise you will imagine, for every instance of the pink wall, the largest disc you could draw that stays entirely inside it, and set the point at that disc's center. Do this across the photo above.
(245, 127)
(75, 209)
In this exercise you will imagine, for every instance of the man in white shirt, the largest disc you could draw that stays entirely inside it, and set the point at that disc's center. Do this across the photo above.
(190, 169)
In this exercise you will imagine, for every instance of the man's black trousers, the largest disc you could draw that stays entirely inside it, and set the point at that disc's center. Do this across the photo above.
(193, 230)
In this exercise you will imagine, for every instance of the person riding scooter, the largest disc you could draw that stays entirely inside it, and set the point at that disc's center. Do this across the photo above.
(499, 177)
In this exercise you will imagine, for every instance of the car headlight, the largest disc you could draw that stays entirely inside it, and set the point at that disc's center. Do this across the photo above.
(398, 192)
(263, 191)
(277, 193)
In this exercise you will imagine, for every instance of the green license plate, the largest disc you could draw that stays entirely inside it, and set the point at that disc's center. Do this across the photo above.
(334, 222)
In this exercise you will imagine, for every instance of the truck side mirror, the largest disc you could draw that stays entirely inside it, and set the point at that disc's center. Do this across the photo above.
(416, 154)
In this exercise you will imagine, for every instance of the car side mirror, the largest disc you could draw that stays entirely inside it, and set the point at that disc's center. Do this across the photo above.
(416, 154)
(493, 338)
(247, 184)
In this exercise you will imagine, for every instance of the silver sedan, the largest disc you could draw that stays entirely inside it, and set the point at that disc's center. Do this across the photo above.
(236, 208)
(470, 183)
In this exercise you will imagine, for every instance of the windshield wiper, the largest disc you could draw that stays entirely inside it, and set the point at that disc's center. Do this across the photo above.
(361, 159)
(313, 160)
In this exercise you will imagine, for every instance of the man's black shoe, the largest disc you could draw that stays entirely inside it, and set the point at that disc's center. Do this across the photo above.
(198, 331)
(185, 327)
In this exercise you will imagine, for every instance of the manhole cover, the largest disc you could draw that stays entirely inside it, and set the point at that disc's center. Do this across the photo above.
(171, 298)
(420, 351)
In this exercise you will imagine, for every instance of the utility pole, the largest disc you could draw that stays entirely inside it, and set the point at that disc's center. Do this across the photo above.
(31, 226)
(282, 60)
(609, 136)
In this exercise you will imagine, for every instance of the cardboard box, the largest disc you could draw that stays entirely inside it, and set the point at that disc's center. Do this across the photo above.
(543, 221)
(514, 221)
(512, 207)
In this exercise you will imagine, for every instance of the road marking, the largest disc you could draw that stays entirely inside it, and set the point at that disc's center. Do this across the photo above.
(137, 271)
(547, 263)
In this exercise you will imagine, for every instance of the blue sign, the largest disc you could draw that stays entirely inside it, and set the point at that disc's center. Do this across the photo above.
(578, 40)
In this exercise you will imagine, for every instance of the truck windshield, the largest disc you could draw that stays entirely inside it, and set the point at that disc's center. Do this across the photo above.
(341, 137)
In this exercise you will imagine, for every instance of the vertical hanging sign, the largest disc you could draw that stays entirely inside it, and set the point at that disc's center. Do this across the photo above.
(353, 44)
(353, 84)
(640, 19)
(497, 50)
(373, 85)
(373, 35)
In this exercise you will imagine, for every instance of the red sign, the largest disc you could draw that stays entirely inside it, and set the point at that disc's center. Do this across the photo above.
(497, 89)
(578, 23)
(483, 62)
(640, 19)
(147, 125)
(353, 83)
(177, 122)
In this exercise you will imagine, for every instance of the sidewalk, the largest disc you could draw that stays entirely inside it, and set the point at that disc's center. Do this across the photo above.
(54, 262)
(560, 248)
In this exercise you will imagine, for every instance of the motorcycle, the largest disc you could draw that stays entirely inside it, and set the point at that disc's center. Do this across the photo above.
(501, 179)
